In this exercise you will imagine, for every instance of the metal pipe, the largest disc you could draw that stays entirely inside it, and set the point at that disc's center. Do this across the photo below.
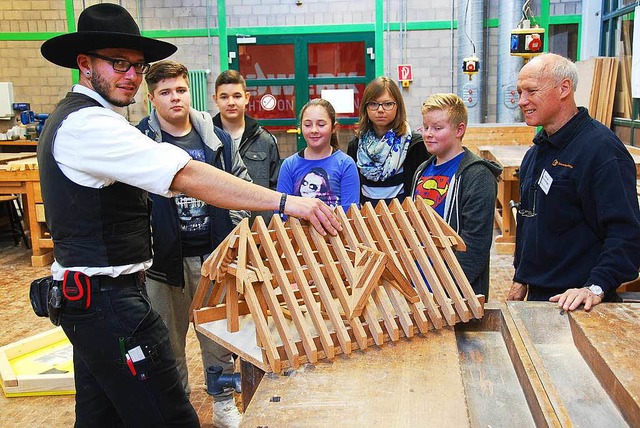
(453, 67)
(507, 110)
(471, 42)
(387, 53)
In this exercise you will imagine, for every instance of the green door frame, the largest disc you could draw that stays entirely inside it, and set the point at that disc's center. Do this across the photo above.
(301, 81)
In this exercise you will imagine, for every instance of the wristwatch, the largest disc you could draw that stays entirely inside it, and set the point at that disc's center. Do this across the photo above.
(596, 289)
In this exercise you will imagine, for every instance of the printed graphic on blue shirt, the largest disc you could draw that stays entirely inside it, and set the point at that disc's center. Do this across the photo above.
(316, 184)
(433, 184)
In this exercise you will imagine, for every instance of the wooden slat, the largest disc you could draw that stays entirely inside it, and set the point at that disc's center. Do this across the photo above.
(274, 306)
(198, 298)
(241, 259)
(338, 284)
(409, 266)
(262, 329)
(273, 261)
(374, 325)
(447, 253)
(303, 286)
(424, 237)
(368, 272)
(321, 286)
(387, 314)
(393, 268)
(437, 282)
(231, 301)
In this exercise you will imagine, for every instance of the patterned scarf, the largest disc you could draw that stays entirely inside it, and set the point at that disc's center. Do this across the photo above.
(381, 158)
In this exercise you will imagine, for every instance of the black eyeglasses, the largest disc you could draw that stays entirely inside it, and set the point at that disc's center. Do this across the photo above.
(532, 212)
(122, 65)
(389, 105)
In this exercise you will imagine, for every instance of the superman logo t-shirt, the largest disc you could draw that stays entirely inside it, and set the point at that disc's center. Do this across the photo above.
(433, 184)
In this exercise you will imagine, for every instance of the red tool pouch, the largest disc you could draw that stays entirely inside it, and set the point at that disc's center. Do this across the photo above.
(77, 286)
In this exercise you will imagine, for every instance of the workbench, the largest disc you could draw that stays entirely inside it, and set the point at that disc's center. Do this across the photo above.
(524, 364)
(8, 145)
(19, 175)
(510, 157)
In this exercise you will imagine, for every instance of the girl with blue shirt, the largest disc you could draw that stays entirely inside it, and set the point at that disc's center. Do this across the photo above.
(320, 170)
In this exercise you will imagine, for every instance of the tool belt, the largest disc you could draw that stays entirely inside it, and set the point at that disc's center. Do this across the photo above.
(48, 296)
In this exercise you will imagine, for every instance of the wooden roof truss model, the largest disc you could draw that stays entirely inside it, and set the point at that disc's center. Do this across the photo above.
(285, 295)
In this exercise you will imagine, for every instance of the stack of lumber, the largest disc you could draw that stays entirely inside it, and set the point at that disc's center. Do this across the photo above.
(624, 102)
(18, 161)
(23, 164)
(497, 134)
(597, 80)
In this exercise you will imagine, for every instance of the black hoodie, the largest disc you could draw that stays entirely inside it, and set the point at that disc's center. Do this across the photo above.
(470, 212)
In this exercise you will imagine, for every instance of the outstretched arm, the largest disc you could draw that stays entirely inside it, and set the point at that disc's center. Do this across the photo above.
(223, 190)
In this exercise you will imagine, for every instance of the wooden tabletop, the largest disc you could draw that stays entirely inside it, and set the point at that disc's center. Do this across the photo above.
(18, 143)
(524, 365)
(607, 337)
(414, 383)
(508, 156)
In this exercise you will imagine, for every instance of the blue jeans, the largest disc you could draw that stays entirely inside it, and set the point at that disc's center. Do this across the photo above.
(107, 391)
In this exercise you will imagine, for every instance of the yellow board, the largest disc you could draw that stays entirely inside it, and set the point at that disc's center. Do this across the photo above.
(38, 365)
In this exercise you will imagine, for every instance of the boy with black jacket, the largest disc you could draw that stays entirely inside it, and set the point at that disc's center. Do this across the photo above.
(257, 147)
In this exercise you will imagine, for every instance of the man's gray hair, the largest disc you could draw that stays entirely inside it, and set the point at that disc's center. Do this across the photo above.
(559, 68)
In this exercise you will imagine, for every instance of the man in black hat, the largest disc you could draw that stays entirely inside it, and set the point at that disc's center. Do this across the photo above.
(95, 172)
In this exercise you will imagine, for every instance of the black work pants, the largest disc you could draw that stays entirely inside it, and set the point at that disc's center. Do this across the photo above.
(110, 390)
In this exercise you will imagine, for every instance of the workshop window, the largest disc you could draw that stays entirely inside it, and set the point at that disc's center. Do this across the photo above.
(563, 40)
(616, 40)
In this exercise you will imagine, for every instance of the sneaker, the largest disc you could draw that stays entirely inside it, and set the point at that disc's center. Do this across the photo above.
(226, 414)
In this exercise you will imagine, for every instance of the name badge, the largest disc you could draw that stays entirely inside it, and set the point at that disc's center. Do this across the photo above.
(545, 181)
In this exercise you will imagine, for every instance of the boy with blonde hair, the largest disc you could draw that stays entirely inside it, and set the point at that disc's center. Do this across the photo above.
(458, 184)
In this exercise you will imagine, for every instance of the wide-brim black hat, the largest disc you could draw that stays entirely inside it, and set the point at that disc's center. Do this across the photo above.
(102, 26)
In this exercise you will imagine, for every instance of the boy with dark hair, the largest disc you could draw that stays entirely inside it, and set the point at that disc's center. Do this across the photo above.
(458, 184)
(257, 147)
(185, 230)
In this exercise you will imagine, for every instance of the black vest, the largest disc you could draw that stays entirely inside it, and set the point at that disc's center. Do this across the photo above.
(90, 227)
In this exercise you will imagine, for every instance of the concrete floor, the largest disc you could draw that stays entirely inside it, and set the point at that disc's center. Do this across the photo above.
(18, 321)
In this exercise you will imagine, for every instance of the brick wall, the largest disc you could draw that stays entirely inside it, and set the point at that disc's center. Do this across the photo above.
(565, 7)
(35, 80)
(43, 84)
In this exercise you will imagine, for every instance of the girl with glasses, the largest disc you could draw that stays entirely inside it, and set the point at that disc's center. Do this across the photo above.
(320, 170)
(385, 149)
